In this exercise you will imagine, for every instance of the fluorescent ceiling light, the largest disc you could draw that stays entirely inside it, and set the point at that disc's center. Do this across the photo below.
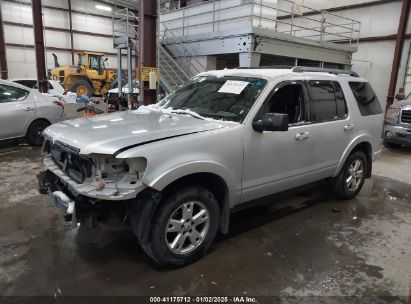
(103, 7)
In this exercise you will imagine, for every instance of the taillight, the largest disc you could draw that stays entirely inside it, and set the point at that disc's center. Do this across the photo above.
(59, 103)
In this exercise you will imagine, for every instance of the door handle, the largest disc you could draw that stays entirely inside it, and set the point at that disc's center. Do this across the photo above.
(28, 109)
(301, 136)
(348, 127)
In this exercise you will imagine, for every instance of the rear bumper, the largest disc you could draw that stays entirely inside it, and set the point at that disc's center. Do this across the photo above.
(397, 134)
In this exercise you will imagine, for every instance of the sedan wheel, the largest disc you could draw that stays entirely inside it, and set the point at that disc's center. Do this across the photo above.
(34, 133)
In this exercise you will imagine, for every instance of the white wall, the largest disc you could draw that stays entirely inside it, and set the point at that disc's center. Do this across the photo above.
(405, 68)
(373, 60)
(380, 20)
(21, 61)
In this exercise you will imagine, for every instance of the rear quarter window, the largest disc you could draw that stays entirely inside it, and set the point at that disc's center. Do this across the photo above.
(367, 101)
(32, 84)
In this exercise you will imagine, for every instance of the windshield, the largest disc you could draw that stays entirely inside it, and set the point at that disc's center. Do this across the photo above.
(225, 98)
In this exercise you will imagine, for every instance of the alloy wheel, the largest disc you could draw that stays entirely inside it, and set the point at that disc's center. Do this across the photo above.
(355, 175)
(187, 227)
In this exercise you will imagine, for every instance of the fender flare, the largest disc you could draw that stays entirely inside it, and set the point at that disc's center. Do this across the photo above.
(354, 143)
(161, 181)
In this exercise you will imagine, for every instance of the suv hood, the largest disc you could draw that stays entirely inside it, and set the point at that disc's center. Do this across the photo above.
(107, 134)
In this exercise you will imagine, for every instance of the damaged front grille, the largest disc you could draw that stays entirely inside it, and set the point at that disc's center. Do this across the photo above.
(70, 162)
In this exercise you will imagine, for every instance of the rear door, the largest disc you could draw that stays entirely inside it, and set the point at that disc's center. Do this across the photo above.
(17, 110)
(331, 126)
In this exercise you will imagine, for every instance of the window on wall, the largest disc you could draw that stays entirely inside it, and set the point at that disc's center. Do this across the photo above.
(327, 101)
(331, 65)
(407, 81)
(308, 63)
(9, 94)
(274, 60)
(366, 99)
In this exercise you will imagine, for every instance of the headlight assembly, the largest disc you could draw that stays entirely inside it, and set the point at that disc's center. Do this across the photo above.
(109, 167)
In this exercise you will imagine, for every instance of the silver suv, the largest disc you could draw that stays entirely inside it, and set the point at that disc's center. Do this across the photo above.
(397, 129)
(176, 170)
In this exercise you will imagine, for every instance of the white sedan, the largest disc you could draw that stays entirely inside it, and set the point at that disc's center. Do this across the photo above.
(25, 113)
(54, 89)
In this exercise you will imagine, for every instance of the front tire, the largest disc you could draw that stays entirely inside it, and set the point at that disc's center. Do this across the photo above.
(34, 136)
(184, 227)
(351, 178)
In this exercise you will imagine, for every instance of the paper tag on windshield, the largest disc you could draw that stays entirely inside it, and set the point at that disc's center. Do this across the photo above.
(233, 87)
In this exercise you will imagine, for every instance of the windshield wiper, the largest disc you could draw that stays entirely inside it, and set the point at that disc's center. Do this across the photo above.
(191, 113)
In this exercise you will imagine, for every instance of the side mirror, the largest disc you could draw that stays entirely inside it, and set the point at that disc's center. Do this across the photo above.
(271, 122)
(400, 96)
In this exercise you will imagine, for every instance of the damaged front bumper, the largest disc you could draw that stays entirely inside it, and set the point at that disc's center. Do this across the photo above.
(88, 206)
(79, 208)
(49, 184)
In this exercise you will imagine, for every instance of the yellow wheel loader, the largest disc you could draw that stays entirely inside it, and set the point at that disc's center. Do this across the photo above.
(87, 78)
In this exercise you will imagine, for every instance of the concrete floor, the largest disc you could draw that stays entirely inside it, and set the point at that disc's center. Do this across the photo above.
(308, 244)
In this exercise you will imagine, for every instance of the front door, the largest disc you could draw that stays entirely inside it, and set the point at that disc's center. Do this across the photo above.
(277, 161)
(16, 111)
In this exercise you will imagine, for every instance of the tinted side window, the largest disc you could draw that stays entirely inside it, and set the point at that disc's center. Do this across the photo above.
(366, 99)
(340, 99)
(326, 101)
(9, 94)
(288, 98)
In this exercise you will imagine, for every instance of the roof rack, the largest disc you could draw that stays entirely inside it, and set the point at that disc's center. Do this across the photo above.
(300, 69)
(277, 66)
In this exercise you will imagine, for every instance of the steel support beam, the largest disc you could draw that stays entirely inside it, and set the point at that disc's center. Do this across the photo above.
(343, 8)
(71, 32)
(39, 45)
(402, 27)
(3, 58)
(148, 38)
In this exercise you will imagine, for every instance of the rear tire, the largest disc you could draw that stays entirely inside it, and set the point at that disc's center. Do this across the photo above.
(82, 87)
(184, 227)
(350, 180)
(34, 136)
